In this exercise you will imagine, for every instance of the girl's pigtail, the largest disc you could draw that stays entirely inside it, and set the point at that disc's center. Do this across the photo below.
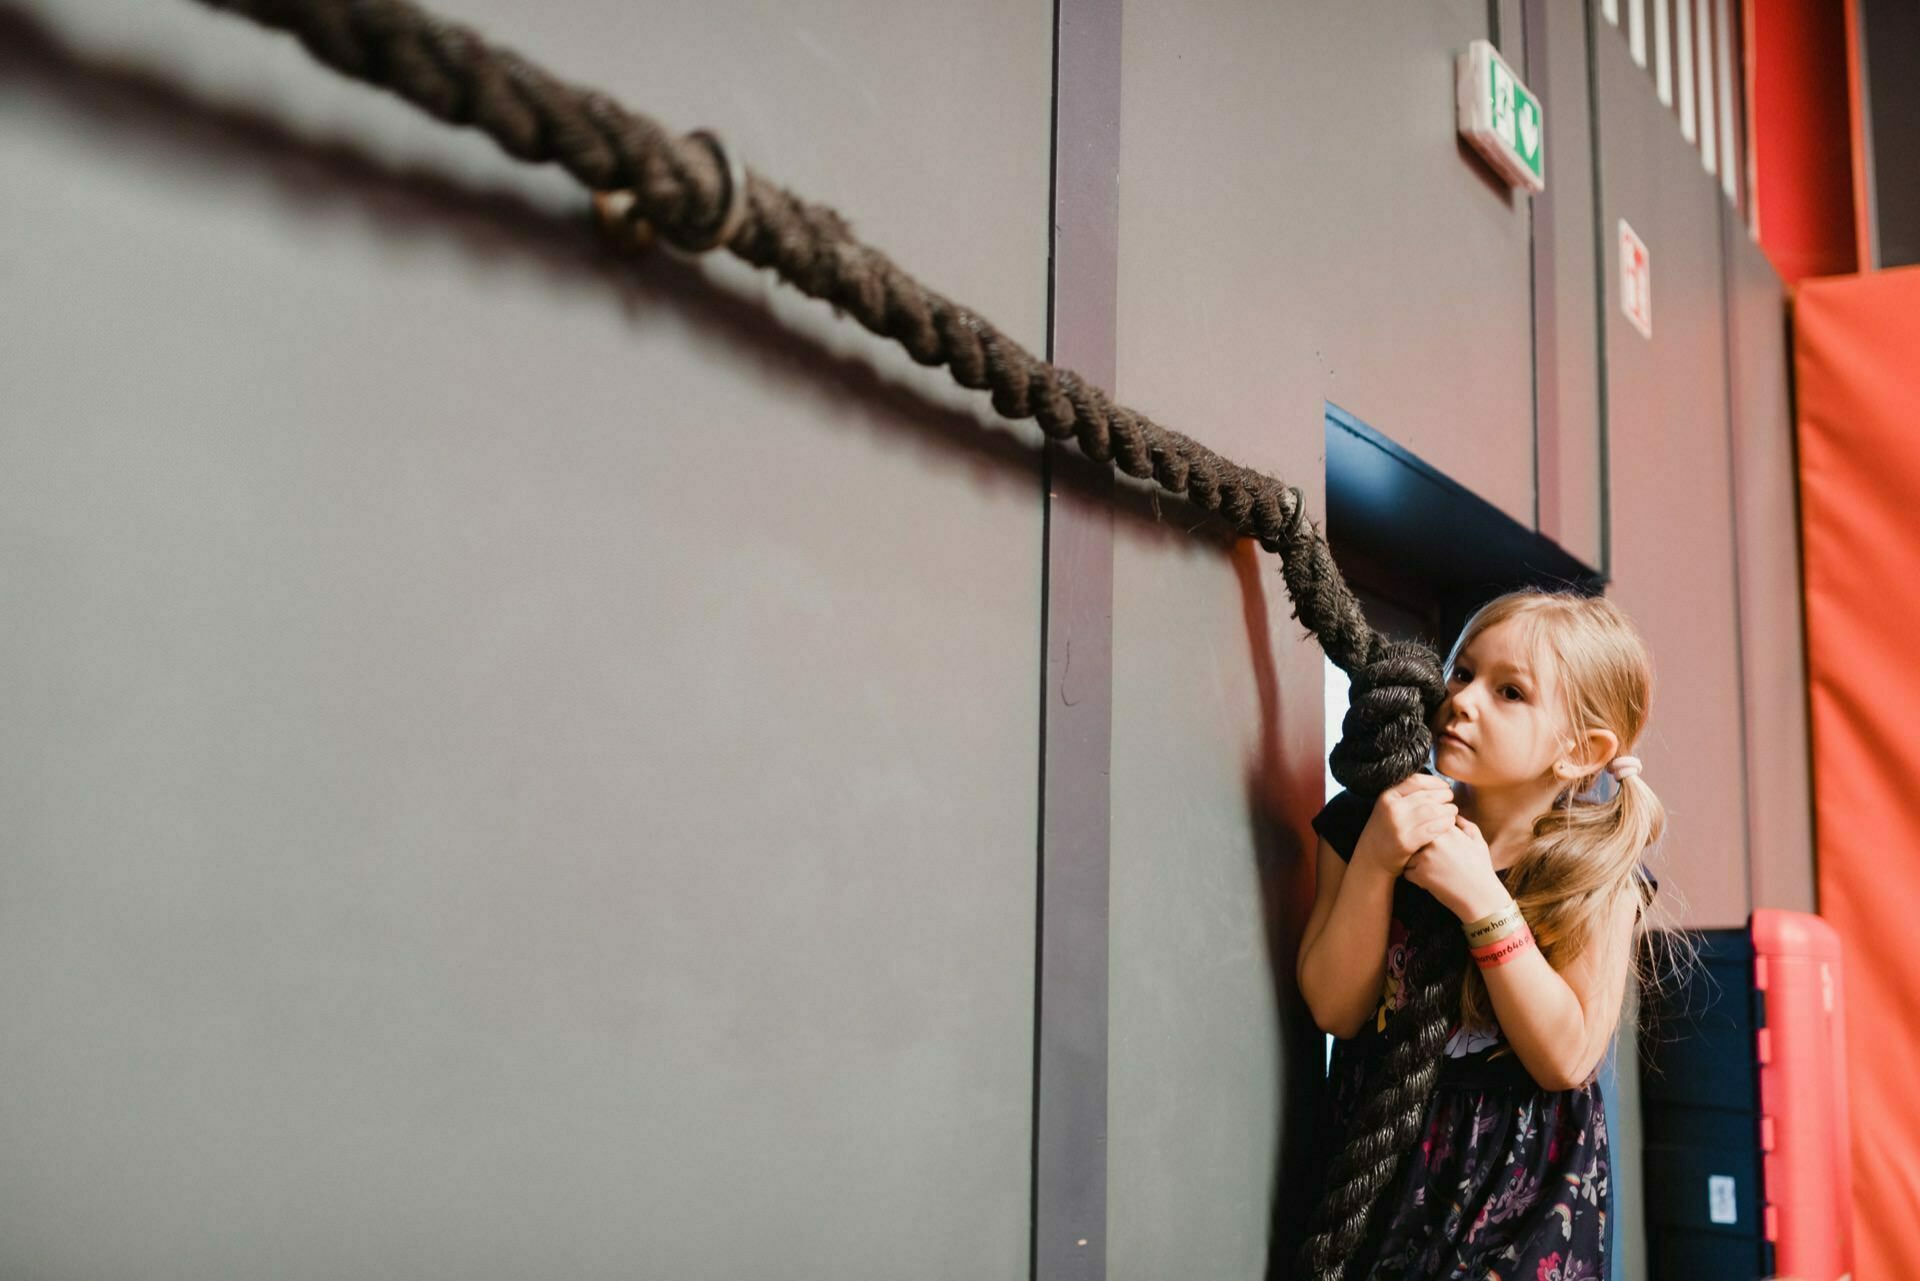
(1583, 856)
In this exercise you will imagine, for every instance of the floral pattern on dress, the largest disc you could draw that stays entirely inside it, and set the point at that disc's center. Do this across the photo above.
(1480, 1197)
(1553, 1268)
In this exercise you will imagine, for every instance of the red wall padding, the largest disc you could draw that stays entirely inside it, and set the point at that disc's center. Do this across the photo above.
(1857, 376)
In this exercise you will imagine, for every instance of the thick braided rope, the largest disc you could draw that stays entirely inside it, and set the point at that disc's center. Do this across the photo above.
(678, 186)
(1387, 1124)
(455, 75)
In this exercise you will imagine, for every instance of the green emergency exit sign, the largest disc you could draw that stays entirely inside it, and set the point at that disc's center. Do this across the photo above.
(1500, 117)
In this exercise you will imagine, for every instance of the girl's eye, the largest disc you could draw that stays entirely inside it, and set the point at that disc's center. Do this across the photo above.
(1516, 690)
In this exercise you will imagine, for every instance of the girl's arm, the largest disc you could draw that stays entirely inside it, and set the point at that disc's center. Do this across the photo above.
(1343, 949)
(1559, 1021)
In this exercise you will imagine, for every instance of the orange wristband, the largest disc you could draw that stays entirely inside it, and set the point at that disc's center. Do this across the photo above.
(1504, 950)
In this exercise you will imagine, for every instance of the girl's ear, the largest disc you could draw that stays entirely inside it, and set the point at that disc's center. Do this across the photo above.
(1602, 745)
(1608, 743)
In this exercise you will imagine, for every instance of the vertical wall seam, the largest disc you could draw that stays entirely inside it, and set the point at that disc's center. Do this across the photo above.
(1733, 522)
(1040, 762)
(1533, 287)
(1068, 1226)
(1602, 235)
(1533, 44)
(1867, 217)
(1809, 755)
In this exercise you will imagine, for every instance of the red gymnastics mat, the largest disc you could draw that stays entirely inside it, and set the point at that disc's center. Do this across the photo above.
(1857, 404)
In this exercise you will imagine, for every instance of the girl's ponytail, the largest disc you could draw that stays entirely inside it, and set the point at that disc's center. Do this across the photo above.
(1585, 853)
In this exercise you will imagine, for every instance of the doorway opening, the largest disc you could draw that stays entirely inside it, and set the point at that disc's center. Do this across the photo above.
(1421, 551)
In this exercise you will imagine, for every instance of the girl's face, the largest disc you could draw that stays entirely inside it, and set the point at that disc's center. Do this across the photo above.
(1504, 710)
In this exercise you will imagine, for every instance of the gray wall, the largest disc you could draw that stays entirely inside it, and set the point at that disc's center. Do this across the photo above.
(1567, 424)
(517, 765)
(522, 763)
(1772, 626)
(1269, 265)
(1670, 484)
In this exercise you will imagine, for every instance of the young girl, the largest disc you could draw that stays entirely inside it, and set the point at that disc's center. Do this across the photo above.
(1541, 884)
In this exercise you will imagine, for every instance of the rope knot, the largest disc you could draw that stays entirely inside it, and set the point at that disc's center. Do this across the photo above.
(1386, 736)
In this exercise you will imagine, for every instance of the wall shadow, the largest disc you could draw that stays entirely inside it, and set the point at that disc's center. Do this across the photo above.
(1285, 864)
(138, 109)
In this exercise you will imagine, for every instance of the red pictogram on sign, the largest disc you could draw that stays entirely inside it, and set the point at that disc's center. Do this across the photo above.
(1636, 281)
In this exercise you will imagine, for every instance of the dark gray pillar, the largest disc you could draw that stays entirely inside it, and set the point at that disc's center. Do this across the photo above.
(1070, 1088)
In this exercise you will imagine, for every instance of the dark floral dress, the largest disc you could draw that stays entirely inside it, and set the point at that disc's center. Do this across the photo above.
(1510, 1181)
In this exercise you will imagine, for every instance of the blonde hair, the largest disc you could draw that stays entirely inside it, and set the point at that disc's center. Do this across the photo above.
(1584, 852)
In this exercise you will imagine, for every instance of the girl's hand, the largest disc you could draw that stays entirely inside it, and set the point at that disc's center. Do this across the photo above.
(1456, 867)
(1405, 817)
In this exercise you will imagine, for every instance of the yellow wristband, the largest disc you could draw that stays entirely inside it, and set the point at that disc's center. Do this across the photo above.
(1494, 925)
(1513, 926)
